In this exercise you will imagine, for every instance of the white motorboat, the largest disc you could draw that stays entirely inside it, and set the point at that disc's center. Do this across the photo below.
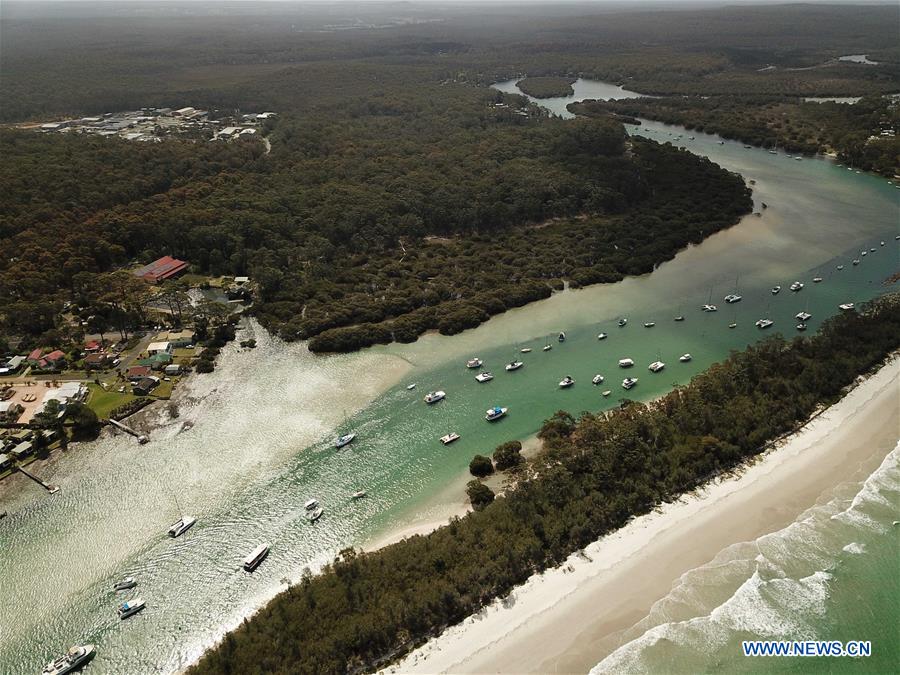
(411, 386)
(606, 393)
(649, 324)
(710, 308)
(257, 555)
(856, 261)
(622, 322)
(72, 660)
(863, 253)
(764, 323)
(732, 298)
(315, 514)
(514, 365)
(679, 318)
(566, 382)
(181, 526)
(625, 363)
(601, 336)
(656, 366)
(130, 608)
(732, 325)
(684, 358)
(525, 350)
(495, 413)
(872, 250)
(125, 584)
(449, 438)
(803, 316)
(547, 348)
(882, 243)
(434, 396)
(346, 439)
(597, 379)
(796, 286)
(629, 382)
(484, 377)
(801, 327)
(776, 290)
(847, 306)
(311, 504)
(561, 337)
(817, 280)
(359, 494)
(840, 267)
(474, 363)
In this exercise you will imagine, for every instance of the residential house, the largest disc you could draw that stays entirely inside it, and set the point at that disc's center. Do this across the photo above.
(22, 450)
(144, 386)
(92, 347)
(68, 391)
(159, 348)
(5, 462)
(158, 361)
(97, 361)
(12, 365)
(10, 411)
(136, 373)
(172, 369)
(159, 270)
(177, 339)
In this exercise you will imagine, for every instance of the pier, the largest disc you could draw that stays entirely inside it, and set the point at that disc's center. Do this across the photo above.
(128, 430)
(52, 489)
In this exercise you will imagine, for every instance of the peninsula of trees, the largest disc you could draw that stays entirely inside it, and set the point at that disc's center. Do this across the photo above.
(546, 87)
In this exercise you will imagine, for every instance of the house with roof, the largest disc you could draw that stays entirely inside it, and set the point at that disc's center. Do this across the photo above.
(10, 411)
(176, 338)
(144, 386)
(162, 347)
(5, 462)
(12, 365)
(68, 391)
(55, 360)
(158, 361)
(161, 269)
(97, 361)
(136, 373)
(93, 346)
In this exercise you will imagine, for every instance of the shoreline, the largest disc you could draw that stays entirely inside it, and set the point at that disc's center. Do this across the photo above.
(551, 623)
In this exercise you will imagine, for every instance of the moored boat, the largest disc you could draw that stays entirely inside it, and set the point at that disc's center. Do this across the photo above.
(625, 363)
(846, 307)
(256, 556)
(411, 386)
(709, 308)
(606, 393)
(311, 504)
(434, 396)
(597, 379)
(601, 336)
(514, 365)
(547, 348)
(679, 318)
(495, 413)
(803, 316)
(764, 323)
(125, 584)
(649, 324)
(130, 608)
(817, 280)
(684, 358)
(72, 660)
(359, 494)
(801, 326)
(474, 363)
(346, 439)
(732, 298)
(656, 366)
(561, 337)
(181, 526)
(776, 290)
(622, 322)
(315, 514)
(525, 350)
(566, 382)
(840, 267)
(796, 286)
(484, 377)
(629, 382)
(449, 438)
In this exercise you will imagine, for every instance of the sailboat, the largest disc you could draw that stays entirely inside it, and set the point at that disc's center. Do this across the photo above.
(183, 524)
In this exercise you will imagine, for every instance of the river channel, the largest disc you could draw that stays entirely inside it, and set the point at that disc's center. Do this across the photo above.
(251, 442)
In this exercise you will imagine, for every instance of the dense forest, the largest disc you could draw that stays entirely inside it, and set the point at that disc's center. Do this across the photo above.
(546, 87)
(593, 475)
(853, 131)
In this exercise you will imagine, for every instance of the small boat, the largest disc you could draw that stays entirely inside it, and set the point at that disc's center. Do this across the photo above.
(732, 325)
(798, 158)
(130, 608)
(411, 386)
(315, 514)
(656, 366)
(257, 555)
(566, 382)
(710, 308)
(649, 324)
(561, 337)
(856, 261)
(679, 318)
(495, 413)
(606, 393)
(625, 363)
(434, 396)
(72, 660)
(846, 307)
(721, 142)
(525, 350)
(359, 494)
(474, 363)
(872, 250)
(449, 438)
(346, 439)
(881, 243)
(684, 358)
(840, 267)
(601, 336)
(514, 365)
(181, 526)
(125, 584)
(897, 238)
(764, 323)
(803, 316)
(796, 286)
(547, 348)
(776, 290)
(629, 382)
(864, 253)
(311, 504)
(484, 377)
(597, 379)
(817, 280)
(731, 298)
(622, 322)
(801, 326)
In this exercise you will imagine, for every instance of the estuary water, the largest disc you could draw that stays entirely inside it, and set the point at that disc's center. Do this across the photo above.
(251, 442)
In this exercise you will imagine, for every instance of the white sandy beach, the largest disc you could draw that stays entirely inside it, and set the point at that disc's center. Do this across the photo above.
(567, 619)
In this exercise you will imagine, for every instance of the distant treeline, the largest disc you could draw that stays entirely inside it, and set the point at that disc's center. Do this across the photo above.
(594, 474)
(853, 131)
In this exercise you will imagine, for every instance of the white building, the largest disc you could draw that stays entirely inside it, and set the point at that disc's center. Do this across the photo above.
(159, 348)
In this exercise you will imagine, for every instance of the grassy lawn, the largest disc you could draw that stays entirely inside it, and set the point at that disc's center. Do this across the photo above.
(104, 402)
(164, 390)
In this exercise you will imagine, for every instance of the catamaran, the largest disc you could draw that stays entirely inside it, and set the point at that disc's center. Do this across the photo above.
(449, 438)
(566, 382)
(597, 379)
(434, 396)
(629, 382)
(514, 365)
(257, 555)
(495, 413)
(72, 660)
(656, 366)
(847, 306)
(474, 363)
(346, 439)
(764, 323)
(625, 363)
(709, 308)
(130, 608)
(803, 316)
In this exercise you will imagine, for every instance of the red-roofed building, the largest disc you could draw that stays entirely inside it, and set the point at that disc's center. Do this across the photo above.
(138, 372)
(92, 346)
(166, 267)
(35, 356)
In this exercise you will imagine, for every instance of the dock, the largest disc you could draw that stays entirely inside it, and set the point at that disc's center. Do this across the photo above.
(52, 489)
(128, 430)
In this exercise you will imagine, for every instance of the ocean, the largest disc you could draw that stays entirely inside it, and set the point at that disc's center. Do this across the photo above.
(832, 574)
